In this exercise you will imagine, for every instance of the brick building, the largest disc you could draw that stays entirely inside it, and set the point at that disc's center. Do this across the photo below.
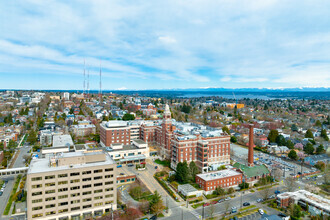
(114, 132)
(223, 178)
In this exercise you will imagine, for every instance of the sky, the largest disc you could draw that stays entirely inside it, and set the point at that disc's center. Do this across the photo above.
(148, 44)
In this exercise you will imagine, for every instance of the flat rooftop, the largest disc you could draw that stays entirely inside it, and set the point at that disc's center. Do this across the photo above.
(310, 198)
(42, 165)
(62, 140)
(218, 174)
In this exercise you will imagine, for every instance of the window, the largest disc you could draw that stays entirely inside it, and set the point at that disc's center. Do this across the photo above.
(98, 197)
(98, 204)
(50, 213)
(37, 200)
(50, 206)
(63, 203)
(87, 186)
(87, 193)
(36, 186)
(98, 191)
(108, 176)
(75, 188)
(36, 215)
(37, 208)
(87, 200)
(62, 182)
(87, 206)
(63, 190)
(109, 189)
(97, 177)
(50, 177)
(63, 210)
(36, 193)
(75, 208)
(98, 171)
(108, 183)
(49, 184)
(75, 174)
(98, 184)
(86, 179)
(108, 169)
(108, 202)
(50, 191)
(75, 201)
(75, 194)
(62, 175)
(75, 181)
(86, 172)
(108, 196)
(50, 199)
(36, 178)
(63, 197)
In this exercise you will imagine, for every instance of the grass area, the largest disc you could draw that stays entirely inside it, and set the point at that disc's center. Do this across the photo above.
(165, 163)
(14, 210)
(265, 187)
(10, 200)
(195, 206)
(246, 208)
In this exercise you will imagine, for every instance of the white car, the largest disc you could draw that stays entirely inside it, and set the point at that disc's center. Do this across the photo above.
(261, 211)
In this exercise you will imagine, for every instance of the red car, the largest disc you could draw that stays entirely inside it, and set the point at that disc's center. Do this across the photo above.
(214, 202)
(206, 204)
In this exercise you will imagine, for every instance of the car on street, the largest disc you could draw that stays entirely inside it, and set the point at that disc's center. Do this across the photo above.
(1, 193)
(260, 200)
(277, 192)
(233, 209)
(221, 200)
(284, 216)
(130, 165)
(246, 204)
(118, 166)
(228, 198)
(261, 212)
(214, 202)
(206, 204)
(271, 197)
(156, 167)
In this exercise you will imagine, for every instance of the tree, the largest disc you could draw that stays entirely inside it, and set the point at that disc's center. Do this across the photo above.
(128, 117)
(290, 183)
(32, 138)
(308, 148)
(290, 144)
(212, 210)
(320, 149)
(294, 127)
(156, 203)
(193, 170)
(324, 135)
(272, 136)
(219, 191)
(280, 140)
(233, 139)
(318, 123)
(225, 129)
(309, 134)
(182, 172)
(265, 193)
(293, 155)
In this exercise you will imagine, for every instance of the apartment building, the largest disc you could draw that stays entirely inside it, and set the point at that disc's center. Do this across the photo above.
(71, 185)
(114, 132)
(223, 178)
(83, 129)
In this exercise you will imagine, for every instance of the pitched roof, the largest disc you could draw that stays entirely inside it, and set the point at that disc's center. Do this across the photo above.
(256, 170)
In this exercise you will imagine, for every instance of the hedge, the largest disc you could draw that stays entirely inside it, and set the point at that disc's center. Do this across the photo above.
(166, 188)
(10, 200)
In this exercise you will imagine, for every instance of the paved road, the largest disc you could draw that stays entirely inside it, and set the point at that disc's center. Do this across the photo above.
(5, 196)
(19, 161)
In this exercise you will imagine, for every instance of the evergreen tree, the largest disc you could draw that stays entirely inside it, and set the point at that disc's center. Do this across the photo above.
(272, 136)
(293, 155)
(320, 149)
(182, 172)
(324, 135)
(193, 170)
(309, 134)
(280, 140)
(308, 148)
(225, 129)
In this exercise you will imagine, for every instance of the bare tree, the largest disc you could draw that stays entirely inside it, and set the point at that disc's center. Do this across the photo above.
(290, 183)
(277, 174)
(212, 210)
(227, 205)
(265, 193)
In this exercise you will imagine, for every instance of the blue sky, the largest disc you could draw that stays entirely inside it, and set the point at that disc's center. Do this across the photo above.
(165, 44)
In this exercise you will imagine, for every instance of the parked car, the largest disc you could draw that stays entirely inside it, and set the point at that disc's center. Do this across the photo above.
(277, 192)
(1, 193)
(214, 202)
(233, 209)
(261, 211)
(228, 198)
(206, 204)
(271, 197)
(246, 204)
(156, 167)
(130, 165)
(118, 166)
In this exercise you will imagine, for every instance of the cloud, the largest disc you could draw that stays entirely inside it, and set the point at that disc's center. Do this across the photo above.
(242, 43)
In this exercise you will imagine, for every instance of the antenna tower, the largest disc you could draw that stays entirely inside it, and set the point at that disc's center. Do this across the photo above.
(88, 83)
(100, 92)
(84, 78)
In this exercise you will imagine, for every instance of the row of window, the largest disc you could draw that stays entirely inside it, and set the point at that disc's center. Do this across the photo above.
(71, 188)
(72, 174)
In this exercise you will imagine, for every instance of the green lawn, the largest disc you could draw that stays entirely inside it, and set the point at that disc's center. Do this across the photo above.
(165, 163)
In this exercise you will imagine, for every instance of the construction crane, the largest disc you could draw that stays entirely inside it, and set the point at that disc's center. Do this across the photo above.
(235, 98)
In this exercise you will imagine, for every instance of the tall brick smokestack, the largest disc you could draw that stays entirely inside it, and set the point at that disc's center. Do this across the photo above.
(250, 156)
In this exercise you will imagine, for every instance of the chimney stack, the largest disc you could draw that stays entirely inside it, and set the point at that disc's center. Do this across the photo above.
(250, 156)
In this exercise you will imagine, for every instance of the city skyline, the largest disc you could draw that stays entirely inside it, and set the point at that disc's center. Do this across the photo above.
(164, 45)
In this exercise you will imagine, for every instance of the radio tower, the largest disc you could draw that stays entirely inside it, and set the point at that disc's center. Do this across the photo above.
(88, 84)
(84, 78)
(100, 92)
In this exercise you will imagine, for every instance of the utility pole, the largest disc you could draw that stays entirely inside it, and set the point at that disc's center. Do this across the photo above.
(203, 213)
(182, 214)
(166, 204)
(241, 199)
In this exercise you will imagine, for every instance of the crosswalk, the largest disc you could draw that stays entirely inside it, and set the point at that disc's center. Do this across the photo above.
(194, 213)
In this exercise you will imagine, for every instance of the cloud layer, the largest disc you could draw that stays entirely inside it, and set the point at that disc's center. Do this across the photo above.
(164, 44)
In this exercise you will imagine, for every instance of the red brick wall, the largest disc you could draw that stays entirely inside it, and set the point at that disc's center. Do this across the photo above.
(222, 182)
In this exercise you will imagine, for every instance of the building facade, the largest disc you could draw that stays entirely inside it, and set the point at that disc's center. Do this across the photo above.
(71, 186)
